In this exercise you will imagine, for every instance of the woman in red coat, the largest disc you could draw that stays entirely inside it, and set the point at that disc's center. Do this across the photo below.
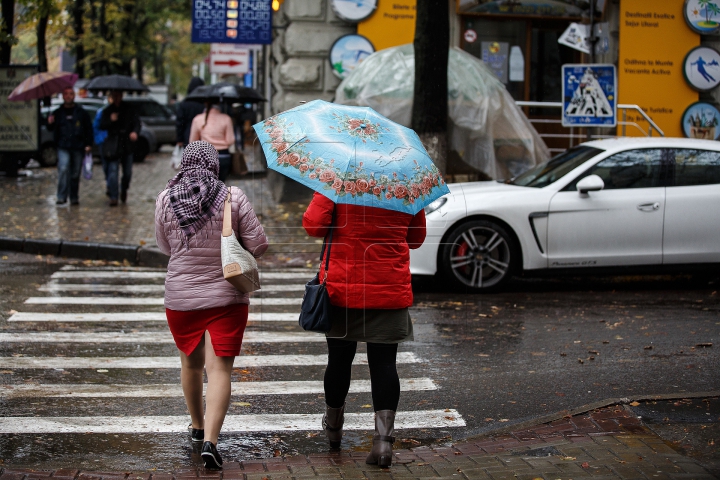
(368, 281)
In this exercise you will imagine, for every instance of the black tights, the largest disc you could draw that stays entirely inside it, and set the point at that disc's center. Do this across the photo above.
(384, 380)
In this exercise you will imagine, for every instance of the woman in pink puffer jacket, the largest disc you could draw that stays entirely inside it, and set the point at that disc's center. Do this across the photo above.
(202, 308)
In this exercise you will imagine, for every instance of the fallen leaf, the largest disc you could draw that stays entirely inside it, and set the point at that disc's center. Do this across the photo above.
(241, 404)
(568, 458)
(634, 404)
(580, 360)
(102, 370)
(585, 465)
(704, 345)
(648, 347)
(367, 405)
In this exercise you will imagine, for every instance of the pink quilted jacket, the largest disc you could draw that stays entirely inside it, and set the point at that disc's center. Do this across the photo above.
(194, 278)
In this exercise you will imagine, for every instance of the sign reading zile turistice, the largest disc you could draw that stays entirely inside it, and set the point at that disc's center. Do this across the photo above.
(232, 21)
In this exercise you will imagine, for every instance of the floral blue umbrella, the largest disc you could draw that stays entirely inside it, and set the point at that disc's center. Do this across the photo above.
(352, 155)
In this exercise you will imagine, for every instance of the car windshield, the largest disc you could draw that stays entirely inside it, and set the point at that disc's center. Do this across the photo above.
(554, 169)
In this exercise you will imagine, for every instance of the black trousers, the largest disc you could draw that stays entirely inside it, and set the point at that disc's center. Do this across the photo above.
(384, 380)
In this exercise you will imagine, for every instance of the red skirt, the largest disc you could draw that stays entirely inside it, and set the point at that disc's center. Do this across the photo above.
(225, 324)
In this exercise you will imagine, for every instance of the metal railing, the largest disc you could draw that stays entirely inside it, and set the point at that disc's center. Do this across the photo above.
(574, 135)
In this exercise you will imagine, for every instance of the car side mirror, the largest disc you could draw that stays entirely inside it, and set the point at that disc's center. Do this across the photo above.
(591, 183)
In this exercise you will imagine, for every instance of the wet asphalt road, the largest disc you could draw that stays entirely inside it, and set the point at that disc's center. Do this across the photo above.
(542, 346)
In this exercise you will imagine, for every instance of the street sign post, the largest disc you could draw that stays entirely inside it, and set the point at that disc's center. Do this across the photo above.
(229, 59)
(232, 21)
(589, 94)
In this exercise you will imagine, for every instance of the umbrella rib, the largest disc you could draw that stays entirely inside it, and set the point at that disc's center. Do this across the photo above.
(288, 148)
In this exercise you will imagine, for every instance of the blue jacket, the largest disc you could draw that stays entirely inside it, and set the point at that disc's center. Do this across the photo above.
(99, 135)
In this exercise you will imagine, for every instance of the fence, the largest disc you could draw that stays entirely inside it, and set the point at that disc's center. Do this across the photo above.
(559, 142)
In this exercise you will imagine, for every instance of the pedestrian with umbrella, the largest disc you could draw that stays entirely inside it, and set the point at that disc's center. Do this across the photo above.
(122, 122)
(372, 178)
(214, 127)
(185, 112)
(73, 134)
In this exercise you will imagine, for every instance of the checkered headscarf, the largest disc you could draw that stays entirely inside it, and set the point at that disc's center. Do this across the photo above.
(196, 194)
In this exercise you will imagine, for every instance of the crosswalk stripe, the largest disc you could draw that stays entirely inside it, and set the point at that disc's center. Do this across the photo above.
(160, 337)
(69, 268)
(132, 275)
(134, 317)
(233, 423)
(53, 287)
(175, 390)
(120, 301)
(242, 361)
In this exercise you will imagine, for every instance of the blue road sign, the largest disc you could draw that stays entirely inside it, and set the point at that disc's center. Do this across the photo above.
(589, 95)
(231, 21)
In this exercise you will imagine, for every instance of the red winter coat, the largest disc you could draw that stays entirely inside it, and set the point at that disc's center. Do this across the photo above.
(370, 253)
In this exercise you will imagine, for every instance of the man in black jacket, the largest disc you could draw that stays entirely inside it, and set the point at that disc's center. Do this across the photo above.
(73, 136)
(122, 122)
(185, 112)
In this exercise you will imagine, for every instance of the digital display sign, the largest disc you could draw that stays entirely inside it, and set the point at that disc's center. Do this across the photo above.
(232, 21)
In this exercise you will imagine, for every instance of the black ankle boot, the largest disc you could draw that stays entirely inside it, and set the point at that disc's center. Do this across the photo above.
(381, 453)
(211, 457)
(332, 423)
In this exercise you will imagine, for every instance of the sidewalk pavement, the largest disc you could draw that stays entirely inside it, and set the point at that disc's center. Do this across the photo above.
(33, 223)
(604, 443)
(597, 442)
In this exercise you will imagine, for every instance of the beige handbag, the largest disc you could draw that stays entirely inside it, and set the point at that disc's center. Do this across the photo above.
(239, 266)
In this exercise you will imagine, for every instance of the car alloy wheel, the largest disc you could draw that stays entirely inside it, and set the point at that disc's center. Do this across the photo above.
(478, 255)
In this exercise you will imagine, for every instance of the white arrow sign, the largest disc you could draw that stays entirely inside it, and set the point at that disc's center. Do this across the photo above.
(227, 58)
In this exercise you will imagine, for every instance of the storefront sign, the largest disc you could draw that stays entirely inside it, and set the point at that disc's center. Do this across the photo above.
(700, 120)
(231, 21)
(536, 8)
(703, 16)
(19, 121)
(654, 40)
(495, 55)
(470, 36)
(392, 24)
(353, 11)
(589, 94)
(347, 52)
(702, 68)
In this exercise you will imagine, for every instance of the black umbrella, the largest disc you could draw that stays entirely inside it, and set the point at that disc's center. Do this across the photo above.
(116, 82)
(226, 93)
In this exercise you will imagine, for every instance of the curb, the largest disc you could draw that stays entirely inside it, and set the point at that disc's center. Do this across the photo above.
(552, 417)
(145, 256)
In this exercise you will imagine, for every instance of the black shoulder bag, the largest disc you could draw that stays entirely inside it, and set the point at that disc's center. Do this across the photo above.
(315, 308)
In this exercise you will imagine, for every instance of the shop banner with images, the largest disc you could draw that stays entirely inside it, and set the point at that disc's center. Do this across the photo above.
(19, 121)
(537, 8)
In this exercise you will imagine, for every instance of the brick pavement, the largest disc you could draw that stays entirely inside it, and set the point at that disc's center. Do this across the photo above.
(606, 443)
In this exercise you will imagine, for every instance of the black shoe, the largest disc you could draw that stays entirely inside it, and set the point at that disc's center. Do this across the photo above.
(196, 434)
(75, 202)
(211, 457)
(60, 202)
(123, 196)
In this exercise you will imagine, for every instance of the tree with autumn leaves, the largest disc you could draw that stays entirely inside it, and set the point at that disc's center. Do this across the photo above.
(146, 39)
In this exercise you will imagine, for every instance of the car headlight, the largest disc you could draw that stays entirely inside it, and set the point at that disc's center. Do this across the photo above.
(435, 205)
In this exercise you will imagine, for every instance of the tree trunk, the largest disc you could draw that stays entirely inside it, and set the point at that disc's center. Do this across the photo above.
(41, 43)
(8, 20)
(430, 106)
(78, 9)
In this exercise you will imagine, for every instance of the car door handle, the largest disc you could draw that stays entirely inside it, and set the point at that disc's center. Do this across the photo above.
(648, 207)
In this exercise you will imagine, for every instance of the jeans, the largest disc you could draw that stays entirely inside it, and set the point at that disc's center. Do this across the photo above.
(225, 165)
(112, 175)
(104, 166)
(69, 164)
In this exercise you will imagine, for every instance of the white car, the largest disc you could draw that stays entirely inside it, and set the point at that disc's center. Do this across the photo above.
(623, 202)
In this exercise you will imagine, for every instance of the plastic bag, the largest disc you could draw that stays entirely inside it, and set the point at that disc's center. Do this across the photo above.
(176, 158)
(87, 166)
